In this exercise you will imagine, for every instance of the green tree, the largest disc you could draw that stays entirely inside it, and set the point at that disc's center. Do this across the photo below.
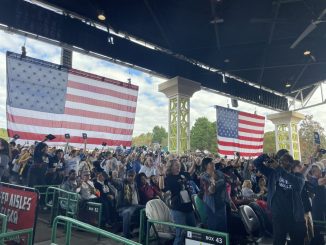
(142, 139)
(159, 135)
(269, 142)
(203, 135)
(306, 134)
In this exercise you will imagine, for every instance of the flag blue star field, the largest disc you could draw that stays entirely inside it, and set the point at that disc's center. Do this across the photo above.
(45, 98)
(239, 132)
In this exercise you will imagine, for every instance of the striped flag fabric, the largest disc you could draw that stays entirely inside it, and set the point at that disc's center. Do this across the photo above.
(45, 98)
(239, 131)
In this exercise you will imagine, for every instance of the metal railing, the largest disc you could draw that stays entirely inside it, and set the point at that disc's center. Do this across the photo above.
(3, 219)
(43, 188)
(55, 196)
(14, 234)
(222, 235)
(70, 222)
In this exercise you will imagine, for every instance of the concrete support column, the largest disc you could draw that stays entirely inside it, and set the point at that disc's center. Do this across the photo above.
(286, 131)
(179, 91)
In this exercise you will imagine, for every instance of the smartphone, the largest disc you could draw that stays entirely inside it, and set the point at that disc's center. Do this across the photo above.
(67, 136)
(316, 138)
(84, 136)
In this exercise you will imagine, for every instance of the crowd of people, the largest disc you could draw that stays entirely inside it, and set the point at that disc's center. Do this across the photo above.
(288, 194)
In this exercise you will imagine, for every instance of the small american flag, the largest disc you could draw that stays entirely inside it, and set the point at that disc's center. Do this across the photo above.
(44, 98)
(239, 132)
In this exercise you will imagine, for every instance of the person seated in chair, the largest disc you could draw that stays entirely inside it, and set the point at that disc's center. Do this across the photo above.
(87, 190)
(107, 198)
(146, 191)
(128, 200)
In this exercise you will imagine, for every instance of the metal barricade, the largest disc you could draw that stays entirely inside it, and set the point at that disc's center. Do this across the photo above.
(70, 223)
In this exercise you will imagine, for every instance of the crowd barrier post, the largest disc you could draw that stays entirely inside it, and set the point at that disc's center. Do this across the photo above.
(3, 218)
(223, 237)
(142, 220)
(70, 222)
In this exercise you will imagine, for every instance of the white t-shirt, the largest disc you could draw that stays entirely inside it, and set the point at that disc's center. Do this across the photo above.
(147, 170)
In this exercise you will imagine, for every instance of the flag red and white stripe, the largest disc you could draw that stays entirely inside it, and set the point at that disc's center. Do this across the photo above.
(103, 108)
(239, 132)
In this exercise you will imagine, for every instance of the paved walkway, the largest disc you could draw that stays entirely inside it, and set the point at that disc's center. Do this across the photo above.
(43, 235)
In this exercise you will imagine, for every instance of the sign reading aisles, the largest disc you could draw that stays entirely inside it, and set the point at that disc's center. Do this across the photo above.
(19, 204)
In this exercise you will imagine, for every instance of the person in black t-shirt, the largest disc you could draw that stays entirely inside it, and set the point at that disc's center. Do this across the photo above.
(181, 207)
(284, 198)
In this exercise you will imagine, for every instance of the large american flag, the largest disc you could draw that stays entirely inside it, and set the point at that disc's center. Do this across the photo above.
(239, 131)
(44, 98)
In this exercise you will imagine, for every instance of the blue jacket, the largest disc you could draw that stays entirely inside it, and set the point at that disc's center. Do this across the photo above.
(273, 175)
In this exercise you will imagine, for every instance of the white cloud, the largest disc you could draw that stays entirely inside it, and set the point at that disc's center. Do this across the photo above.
(152, 106)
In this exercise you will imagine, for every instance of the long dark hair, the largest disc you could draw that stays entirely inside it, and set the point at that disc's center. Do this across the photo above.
(6, 149)
(138, 179)
(38, 152)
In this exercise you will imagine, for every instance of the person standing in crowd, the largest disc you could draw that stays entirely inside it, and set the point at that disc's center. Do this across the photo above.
(36, 172)
(196, 170)
(215, 196)
(181, 206)
(318, 183)
(284, 198)
(306, 201)
(56, 168)
(4, 160)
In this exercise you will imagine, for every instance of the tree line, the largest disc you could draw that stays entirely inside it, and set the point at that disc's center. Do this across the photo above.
(203, 136)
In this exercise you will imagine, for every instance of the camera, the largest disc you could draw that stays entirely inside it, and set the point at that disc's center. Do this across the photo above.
(67, 136)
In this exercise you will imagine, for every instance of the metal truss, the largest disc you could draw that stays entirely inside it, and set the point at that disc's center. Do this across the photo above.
(303, 103)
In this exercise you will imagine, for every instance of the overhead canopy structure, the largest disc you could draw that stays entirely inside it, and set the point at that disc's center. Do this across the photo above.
(260, 51)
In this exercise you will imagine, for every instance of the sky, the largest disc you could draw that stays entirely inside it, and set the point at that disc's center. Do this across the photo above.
(152, 106)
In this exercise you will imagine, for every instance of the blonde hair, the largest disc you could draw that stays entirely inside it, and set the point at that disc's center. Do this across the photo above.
(247, 184)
